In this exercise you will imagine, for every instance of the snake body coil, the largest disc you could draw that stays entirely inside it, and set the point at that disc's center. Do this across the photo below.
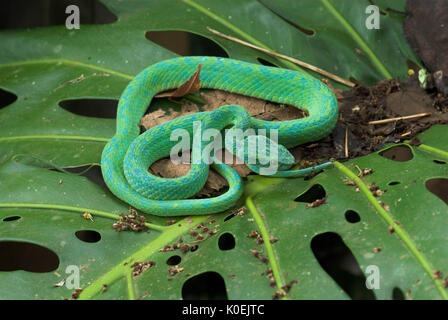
(128, 154)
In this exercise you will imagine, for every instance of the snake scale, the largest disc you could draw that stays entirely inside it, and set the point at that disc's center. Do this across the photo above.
(128, 155)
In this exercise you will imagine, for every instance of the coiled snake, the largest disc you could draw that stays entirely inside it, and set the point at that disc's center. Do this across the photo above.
(128, 155)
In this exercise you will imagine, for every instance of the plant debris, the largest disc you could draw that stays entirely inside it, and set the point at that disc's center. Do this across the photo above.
(438, 274)
(87, 216)
(257, 235)
(258, 255)
(140, 267)
(280, 293)
(284, 290)
(185, 248)
(270, 275)
(174, 270)
(190, 86)
(133, 221)
(60, 283)
(75, 295)
(445, 283)
(170, 222)
(364, 172)
(377, 249)
(288, 286)
(166, 248)
(317, 203)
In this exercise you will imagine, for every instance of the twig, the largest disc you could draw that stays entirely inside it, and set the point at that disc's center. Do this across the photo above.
(300, 63)
(406, 134)
(346, 142)
(419, 115)
(359, 169)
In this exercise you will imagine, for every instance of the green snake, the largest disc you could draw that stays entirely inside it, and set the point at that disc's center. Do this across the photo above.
(128, 155)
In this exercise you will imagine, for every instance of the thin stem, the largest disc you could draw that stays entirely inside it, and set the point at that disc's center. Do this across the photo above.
(267, 243)
(358, 39)
(130, 285)
(296, 61)
(237, 30)
(68, 62)
(55, 137)
(94, 212)
(438, 152)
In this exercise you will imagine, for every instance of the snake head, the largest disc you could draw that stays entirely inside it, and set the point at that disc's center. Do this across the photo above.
(261, 154)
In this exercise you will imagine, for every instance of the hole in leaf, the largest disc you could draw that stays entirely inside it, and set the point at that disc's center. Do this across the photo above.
(312, 194)
(338, 261)
(394, 183)
(398, 153)
(11, 218)
(205, 286)
(50, 13)
(397, 294)
(266, 63)
(6, 98)
(439, 187)
(88, 236)
(186, 43)
(230, 216)
(173, 260)
(15, 255)
(94, 174)
(95, 108)
(194, 248)
(439, 162)
(352, 216)
(226, 241)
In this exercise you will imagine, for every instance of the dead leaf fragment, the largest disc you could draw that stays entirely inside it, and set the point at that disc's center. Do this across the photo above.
(190, 86)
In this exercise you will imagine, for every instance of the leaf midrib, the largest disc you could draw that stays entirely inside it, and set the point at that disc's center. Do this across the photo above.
(239, 32)
(68, 62)
(55, 137)
(357, 38)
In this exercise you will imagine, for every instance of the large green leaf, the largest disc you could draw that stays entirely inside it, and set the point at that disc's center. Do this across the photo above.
(44, 66)
(47, 65)
(50, 204)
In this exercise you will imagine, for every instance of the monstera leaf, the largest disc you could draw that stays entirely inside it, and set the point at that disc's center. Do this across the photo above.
(57, 227)
(281, 242)
(97, 61)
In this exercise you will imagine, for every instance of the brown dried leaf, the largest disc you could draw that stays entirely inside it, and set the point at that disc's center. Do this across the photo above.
(190, 86)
